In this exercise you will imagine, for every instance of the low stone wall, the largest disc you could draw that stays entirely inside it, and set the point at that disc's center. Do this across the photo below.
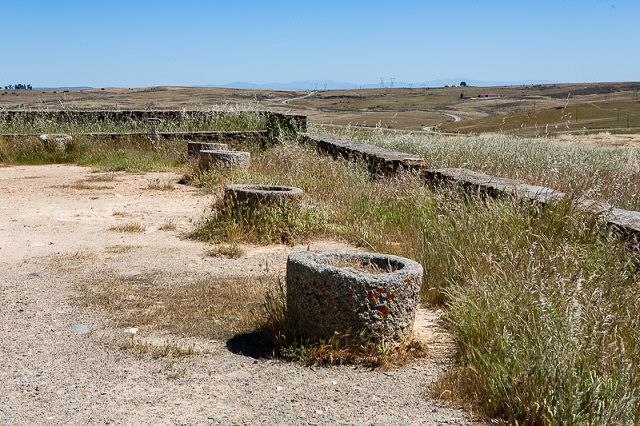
(238, 138)
(252, 195)
(233, 139)
(382, 161)
(389, 161)
(286, 122)
(194, 148)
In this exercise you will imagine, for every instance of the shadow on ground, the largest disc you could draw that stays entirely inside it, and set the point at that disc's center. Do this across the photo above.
(253, 345)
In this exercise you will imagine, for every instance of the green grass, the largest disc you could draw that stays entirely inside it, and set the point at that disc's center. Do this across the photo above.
(288, 224)
(340, 200)
(128, 153)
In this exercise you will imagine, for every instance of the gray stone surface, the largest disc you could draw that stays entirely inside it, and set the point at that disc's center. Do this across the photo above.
(626, 220)
(208, 159)
(193, 148)
(79, 329)
(251, 194)
(381, 160)
(323, 299)
(56, 142)
(495, 186)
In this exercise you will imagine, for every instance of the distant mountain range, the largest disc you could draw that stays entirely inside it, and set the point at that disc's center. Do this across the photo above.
(335, 85)
(63, 88)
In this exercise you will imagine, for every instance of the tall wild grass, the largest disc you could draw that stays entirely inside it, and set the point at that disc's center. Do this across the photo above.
(604, 173)
(126, 153)
(217, 118)
(544, 303)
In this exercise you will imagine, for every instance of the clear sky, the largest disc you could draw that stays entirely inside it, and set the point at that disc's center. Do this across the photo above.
(139, 43)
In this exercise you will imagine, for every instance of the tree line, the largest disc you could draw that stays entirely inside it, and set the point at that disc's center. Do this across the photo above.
(18, 87)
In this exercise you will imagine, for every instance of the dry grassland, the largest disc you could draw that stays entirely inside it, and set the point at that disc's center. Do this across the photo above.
(531, 110)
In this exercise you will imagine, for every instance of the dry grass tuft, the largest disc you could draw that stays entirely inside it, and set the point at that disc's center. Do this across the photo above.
(211, 309)
(169, 225)
(132, 227)
(231, 250)
(360, 350)
(121, 248)
(102, 177)
(73, 261)
(168, 350)
(84, 185)
(161, 185)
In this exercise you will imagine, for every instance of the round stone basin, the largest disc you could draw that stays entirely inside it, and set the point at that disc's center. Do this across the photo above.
(194, 148)
(351, 293)
(251, 194)
(208, 159)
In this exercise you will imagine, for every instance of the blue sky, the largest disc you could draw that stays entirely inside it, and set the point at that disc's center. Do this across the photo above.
(139, 43)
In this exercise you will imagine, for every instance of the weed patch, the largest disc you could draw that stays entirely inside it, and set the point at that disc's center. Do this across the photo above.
(169, 350)
(84, 185)
(287, 224)
(102, 177)
(232, 250)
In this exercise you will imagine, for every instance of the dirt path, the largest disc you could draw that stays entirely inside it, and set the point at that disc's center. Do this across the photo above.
(57, 369)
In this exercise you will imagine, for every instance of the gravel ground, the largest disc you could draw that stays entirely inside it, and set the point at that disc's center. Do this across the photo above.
(56, 364)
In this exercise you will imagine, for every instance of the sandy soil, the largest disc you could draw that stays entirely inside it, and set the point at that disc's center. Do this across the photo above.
(57, 369)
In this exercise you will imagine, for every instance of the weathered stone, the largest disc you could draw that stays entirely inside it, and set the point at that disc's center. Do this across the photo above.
(208, 159)
(79, 329)
(194, 148)
(380, 160)
(323, 299)
(261, 194)
(56, 142)
(626, 220)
